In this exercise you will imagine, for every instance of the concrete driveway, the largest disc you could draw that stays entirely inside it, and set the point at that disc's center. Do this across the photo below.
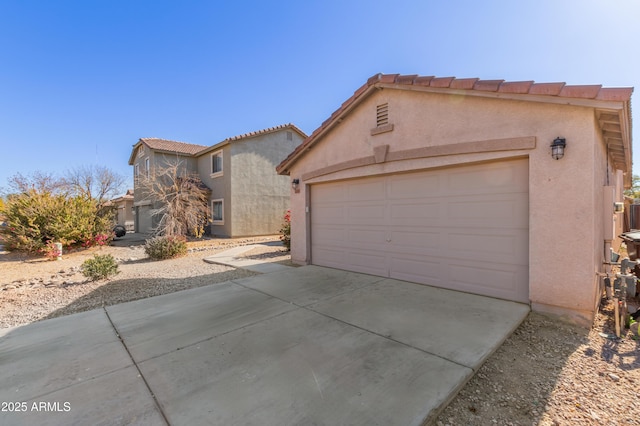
(303, 346)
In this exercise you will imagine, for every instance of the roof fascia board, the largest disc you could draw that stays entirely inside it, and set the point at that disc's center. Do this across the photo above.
(284, 170)
(133, 152)
(591, 103)
(215, 147)
(625, 126)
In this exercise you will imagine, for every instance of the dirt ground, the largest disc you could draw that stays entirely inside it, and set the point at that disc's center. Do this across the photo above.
(547, 373)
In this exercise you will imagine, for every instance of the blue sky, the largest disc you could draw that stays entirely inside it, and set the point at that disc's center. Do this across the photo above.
(82, 81)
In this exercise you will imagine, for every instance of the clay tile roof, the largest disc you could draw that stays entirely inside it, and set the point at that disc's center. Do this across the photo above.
(488, 85)
(265, 131)
(423, 80)
(524, 88)
(615, 94)
(515, 86)
(172, 146)
(441, 81)
(463, 83)
(406, 79)
(551, 89)
(588, 92)
(226, 141)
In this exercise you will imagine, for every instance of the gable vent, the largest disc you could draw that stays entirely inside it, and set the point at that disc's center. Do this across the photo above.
(382, 115)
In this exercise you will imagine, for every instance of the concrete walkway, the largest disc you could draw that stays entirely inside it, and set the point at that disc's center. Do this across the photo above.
(299, 346)
(231, 258)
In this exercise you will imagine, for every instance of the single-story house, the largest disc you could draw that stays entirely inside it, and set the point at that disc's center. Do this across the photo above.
(505, 189)
(247, 198)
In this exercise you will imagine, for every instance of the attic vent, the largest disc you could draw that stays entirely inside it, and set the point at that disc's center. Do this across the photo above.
(382, 120)
(289, 136)
(382, 115)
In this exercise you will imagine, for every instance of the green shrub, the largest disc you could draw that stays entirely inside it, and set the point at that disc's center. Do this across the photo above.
(166, 247)
(36, 218)
(100, 267)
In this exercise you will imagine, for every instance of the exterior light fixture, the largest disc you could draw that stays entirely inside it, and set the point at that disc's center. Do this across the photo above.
(295, 184)
(557, 148)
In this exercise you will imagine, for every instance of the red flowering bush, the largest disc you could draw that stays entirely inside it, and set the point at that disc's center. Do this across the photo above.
(285, 231)
(98, 240)
(51, 251)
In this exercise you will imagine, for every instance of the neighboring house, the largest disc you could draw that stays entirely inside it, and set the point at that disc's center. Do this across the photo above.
(124, 210)
(247, 197)
(452, 183)
(151, 153)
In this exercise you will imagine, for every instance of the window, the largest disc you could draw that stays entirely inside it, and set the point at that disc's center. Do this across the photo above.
(146, 166)
(216, 164)
(136, 172)
(217, 211)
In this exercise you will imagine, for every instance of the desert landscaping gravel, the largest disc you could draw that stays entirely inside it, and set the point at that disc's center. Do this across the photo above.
(547, 373)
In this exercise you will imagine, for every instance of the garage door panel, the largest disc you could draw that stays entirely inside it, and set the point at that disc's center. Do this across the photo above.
(425, 270)
(352, 259)
(335, 193)
(416, 213)
(499, 280)
(365, 237)
(488, 178)
(489, 212)
(368, 262)
(366, 214)
(414, 185)
(331, 215)
(417, 242)
(329, 236)
(501, 246)
(370, 190)
(464, 228)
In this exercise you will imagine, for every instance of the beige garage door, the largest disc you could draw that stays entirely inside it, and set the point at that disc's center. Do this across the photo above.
(464, 228)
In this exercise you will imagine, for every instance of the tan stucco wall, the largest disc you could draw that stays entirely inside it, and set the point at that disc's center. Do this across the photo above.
(259, 196)
(255, 196)
(565, 196)
(220, 188)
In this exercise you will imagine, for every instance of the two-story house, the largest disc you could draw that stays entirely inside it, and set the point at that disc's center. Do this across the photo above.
(247, 196)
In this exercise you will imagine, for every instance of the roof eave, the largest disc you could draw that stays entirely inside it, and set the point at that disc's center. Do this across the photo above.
(132, 157)
(616, 100)
(335, 119)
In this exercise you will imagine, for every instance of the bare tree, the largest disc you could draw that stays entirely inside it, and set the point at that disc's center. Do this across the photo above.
(180, 197)
(39, 181)
(94, 182)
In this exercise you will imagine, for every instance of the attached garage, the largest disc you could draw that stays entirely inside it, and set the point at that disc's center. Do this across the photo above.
(464, 228)
(453, 183)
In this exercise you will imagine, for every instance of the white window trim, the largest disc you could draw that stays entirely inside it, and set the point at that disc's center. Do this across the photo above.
(147, 167)
(221, 172)
(213, 221)
(136, 172)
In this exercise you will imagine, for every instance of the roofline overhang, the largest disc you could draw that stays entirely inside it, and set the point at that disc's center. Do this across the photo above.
(132, 157)
(620, 107)
(251, 135)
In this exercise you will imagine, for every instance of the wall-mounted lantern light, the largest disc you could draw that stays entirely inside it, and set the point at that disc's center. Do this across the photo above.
(557, 148)
(295, 184)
